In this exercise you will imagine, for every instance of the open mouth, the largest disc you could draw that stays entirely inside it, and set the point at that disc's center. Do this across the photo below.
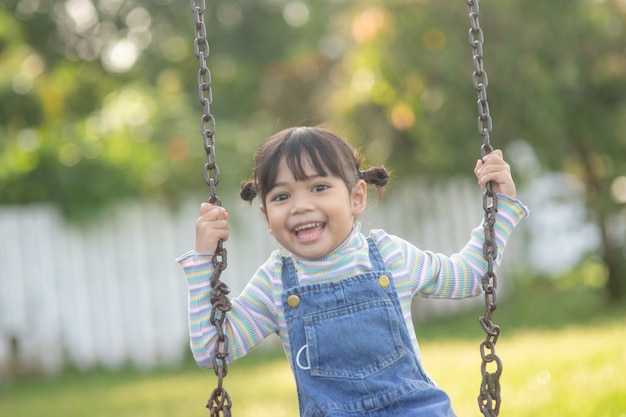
(309, 231)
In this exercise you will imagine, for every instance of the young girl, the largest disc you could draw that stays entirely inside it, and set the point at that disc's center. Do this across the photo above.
(340, 301)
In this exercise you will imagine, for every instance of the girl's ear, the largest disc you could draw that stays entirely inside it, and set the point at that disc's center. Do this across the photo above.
(359, 198)
(262, 208)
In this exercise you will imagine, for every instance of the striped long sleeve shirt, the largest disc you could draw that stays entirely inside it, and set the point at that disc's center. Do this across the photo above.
(257, 312)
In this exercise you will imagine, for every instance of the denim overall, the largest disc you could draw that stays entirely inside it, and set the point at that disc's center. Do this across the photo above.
(351, 350)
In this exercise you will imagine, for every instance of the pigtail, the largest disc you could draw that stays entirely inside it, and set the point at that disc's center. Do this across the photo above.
(377, 176)
(248, 191)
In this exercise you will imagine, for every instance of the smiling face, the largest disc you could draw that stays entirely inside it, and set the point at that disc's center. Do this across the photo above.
(312, 216)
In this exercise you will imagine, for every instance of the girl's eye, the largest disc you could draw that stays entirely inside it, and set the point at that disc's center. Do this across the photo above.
(319, 187)
(280, 197)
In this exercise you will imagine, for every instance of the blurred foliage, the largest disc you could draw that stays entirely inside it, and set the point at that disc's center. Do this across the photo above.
(98, 100)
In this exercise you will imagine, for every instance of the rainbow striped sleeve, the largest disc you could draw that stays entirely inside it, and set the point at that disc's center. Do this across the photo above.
(435, 275)
(251, 319)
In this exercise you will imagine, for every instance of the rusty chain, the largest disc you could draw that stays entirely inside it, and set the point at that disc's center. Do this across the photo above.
(489, 397)
(220, 402)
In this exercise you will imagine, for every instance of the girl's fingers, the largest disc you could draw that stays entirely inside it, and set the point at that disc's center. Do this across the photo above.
(494, 168)
(210, 212)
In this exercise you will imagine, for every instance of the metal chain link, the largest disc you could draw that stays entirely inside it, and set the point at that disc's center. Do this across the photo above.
(489, 397)
(220, 402)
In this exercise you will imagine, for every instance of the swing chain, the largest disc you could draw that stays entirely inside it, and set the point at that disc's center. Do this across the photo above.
(220, 402)
(489, 397)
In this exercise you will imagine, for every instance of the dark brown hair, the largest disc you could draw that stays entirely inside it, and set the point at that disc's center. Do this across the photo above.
(329, 154)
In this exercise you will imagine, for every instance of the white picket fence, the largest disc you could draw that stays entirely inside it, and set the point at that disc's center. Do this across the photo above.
(110, 294)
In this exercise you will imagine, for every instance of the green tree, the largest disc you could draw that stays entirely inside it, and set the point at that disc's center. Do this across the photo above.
(570, 77)
(98, 100)
(75, 129)
(557, 72)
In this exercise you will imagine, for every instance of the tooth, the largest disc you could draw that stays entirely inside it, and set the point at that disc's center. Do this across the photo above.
(305, 226)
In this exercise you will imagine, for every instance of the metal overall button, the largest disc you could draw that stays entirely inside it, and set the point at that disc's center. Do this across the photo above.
(383, 281)
(293, 301)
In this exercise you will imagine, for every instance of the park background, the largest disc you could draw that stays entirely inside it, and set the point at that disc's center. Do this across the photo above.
(101, 176)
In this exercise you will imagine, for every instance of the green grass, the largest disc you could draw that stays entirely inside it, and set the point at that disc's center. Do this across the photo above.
(564, 354)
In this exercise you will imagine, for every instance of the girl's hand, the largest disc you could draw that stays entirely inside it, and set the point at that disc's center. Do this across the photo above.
(493, 168)
(211, 227)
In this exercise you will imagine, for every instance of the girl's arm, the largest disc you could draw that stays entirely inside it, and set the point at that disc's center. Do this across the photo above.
(250, 320)
(460, 275)
(435, 275)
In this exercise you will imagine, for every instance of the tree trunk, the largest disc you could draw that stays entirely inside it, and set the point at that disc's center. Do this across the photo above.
(612, 253)
(615, 261)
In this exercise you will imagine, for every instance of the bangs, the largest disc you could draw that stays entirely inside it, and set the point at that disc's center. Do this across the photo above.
(299, 149)
(326, 152)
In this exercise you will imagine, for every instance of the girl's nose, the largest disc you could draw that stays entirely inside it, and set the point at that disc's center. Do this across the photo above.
(300, 204)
